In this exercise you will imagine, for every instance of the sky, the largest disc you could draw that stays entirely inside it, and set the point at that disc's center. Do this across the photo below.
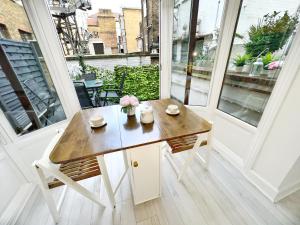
(114, 5)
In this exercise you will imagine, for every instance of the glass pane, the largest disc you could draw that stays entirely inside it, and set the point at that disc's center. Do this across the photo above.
(181, 26)
(206, 38)
(262, 40)
(27, 95)
(102, 40)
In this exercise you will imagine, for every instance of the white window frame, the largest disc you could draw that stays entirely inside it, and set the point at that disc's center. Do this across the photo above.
(281, 88)
(45, 32)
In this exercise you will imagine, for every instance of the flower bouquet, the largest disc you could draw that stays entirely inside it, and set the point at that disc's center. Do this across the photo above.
(129, 103)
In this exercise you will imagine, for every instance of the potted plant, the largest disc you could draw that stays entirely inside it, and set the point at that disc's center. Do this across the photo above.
(239, 62)
(273, 68)
(248, 63)
(271, 33)
(129, 103)
(267, 60)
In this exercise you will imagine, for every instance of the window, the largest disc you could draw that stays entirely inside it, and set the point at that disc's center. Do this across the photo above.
(27, 95)
(25, 36)
(196, 27)
(145, 8)
(116, 35)
(99, 48)
(4, 32)
(263, 36)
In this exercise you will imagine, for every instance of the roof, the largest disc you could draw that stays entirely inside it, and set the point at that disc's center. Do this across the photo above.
(92, 21)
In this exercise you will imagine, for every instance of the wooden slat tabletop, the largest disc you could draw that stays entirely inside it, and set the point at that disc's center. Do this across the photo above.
(80, 141)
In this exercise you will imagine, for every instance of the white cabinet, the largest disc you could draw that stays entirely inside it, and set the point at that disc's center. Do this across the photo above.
(145, 172)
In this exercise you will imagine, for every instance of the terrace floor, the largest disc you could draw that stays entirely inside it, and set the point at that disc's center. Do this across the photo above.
(220, 196)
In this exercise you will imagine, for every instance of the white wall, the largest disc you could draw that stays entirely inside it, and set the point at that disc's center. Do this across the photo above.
(11, 180)
(292, 180)
(280, 151)
(109, 63)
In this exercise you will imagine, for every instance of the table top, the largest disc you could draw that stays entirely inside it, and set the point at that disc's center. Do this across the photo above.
(93, 83)
(80, 141)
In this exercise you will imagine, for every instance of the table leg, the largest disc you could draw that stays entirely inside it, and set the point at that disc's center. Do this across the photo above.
(106, 180)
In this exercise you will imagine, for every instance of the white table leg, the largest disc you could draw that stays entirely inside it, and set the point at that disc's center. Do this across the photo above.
(106, 180)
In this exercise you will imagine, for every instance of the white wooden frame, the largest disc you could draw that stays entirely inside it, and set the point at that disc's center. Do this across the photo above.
(46, 35)
(165, 42)
(45, 165)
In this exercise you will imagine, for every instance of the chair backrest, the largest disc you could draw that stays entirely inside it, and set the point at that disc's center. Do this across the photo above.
(83, 95)
(89, 76)
(122, 83)
(37, 94)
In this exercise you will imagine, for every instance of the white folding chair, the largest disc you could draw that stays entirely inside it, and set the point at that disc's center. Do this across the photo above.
(192, 143)
(66, 174)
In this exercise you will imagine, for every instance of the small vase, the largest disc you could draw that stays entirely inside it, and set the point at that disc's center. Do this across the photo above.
(246, 68)
(238, 69)
(131, 111)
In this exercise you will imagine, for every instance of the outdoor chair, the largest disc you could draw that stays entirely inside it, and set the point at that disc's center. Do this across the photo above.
(112, 92)
(44, 101)
(85, 100)
(89, 76)
(192, 143)
(65, 174)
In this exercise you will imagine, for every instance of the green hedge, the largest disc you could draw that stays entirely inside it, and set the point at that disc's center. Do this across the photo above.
(141, 81)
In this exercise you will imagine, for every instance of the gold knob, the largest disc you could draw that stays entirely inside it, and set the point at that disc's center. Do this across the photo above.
(135, 164)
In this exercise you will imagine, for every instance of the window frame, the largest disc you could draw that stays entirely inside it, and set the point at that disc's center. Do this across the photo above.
(45, 32)
(210, 97)
(250, 127)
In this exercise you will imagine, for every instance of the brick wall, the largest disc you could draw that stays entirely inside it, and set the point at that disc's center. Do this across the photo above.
(13, 16)
(150, 24)
(106, 28)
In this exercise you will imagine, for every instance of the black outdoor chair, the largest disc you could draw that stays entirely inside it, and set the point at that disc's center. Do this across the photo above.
(89, 76)
(84, 99)
(43, 99)
(112, 92)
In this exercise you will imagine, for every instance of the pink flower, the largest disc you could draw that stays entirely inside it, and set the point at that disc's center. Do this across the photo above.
(274, 65)
(125, 101)
(129, 101)
(134, 101)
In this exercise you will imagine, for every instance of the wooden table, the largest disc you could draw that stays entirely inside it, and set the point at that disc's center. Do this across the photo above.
(80, 141)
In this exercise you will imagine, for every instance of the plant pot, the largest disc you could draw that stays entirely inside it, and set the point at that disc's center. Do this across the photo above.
(238, 69)
(273, 73)
(246, 68)
(131, 111)
(264, 72)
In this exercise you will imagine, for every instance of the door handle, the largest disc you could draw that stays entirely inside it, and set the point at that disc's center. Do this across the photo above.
(135, 164)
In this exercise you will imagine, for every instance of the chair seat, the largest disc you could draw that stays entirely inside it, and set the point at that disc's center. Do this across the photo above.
(78, 170)
(110, 94)
(184, 143)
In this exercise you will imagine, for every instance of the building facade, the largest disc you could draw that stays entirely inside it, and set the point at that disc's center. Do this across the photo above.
(129, 21)
(149, 32)
(14, 23)
(102, 27)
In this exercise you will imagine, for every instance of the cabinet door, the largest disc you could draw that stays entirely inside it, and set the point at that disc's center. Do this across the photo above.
(145, 163)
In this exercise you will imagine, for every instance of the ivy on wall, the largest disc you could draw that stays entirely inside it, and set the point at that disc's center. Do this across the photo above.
(141, 81)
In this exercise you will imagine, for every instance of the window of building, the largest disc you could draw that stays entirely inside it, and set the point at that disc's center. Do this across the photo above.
(27, 95)
(99, 48)
(263, 36)
(145, 8)
(4, 32)
(25, 36)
